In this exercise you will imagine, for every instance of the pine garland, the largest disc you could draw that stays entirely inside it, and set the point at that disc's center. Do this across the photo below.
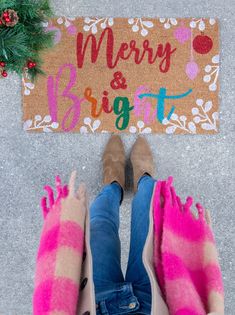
(24, 36)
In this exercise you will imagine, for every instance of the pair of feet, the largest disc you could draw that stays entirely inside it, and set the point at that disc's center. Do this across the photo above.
(114, 161)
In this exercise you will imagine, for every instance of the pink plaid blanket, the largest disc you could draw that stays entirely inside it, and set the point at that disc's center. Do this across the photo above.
(60, 252)
(185, 256)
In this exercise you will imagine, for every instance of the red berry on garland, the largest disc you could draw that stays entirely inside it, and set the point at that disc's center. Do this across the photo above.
(31, 64)
(5, 14)
(1, 22)
(4, 74)
(202, 44)
(9, 18)
(2, 64)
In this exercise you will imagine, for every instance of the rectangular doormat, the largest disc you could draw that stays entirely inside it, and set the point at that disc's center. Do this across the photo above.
(133, 75)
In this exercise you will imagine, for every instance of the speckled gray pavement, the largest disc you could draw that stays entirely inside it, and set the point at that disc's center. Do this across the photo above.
(203, 165)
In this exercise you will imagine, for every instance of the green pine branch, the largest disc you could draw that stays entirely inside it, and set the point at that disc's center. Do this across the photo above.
(25, 41)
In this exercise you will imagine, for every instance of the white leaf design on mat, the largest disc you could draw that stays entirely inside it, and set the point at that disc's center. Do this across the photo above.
(46, 129)
(87, 120)
(140, 124)
(90, 126)
(207, 126)
(83, 129)
(71, 28)
(138, 24)
(192, 127)
(60, 20)
(91, 24)
(201, 23)
(38, 117)
(67, 23)
(208, 106)
(47, 119)
(44, 124)
(148, 24)
(215, 116)
(174, 116)
(168, 22)
(28, 86)
(212, 70)
(94, 29)
(171, 129)
(140, 129)
(55, 125)
(96, 124)
(177, 122)
(183, 118)
(195, 110)
(133, 129)
(202, 116)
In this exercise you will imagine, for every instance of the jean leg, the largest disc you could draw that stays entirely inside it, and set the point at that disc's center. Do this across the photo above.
(136, 272)
(105, 242)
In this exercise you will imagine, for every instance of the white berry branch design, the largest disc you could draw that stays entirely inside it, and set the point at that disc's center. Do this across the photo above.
(65, 20)
(177, 122)
(28, 86)
(202, 117)
(45, 124)
(141, 129)
(138, 24)
(212, 70)
(168, 22)
(91, 126)
(200, 23)
(68, 23)
(91, 24)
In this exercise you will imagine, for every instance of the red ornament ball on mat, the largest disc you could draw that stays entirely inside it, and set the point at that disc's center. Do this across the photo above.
(0, 22)
(5, 14)
(2, 64)
(202, 44)
(7, 19)
(4, 74)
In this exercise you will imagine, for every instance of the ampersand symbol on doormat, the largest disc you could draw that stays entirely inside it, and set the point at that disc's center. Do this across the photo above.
(118, 82)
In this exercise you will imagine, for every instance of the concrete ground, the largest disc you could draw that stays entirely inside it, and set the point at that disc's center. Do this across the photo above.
(200, 164)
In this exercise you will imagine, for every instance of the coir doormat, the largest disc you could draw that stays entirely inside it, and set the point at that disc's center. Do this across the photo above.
(134, 75)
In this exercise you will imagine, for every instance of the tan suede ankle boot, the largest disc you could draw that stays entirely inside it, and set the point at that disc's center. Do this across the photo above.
(114, 162)
(141, 159)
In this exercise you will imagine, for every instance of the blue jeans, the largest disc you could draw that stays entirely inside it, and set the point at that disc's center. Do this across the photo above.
(115, 294)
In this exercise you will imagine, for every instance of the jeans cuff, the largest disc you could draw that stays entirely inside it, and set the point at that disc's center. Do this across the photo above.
(145, 175)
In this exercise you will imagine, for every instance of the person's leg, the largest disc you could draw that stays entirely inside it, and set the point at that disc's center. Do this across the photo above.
(113, 294)
(136, 272)
(104, 218)
(143, 168)
(105, 242)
